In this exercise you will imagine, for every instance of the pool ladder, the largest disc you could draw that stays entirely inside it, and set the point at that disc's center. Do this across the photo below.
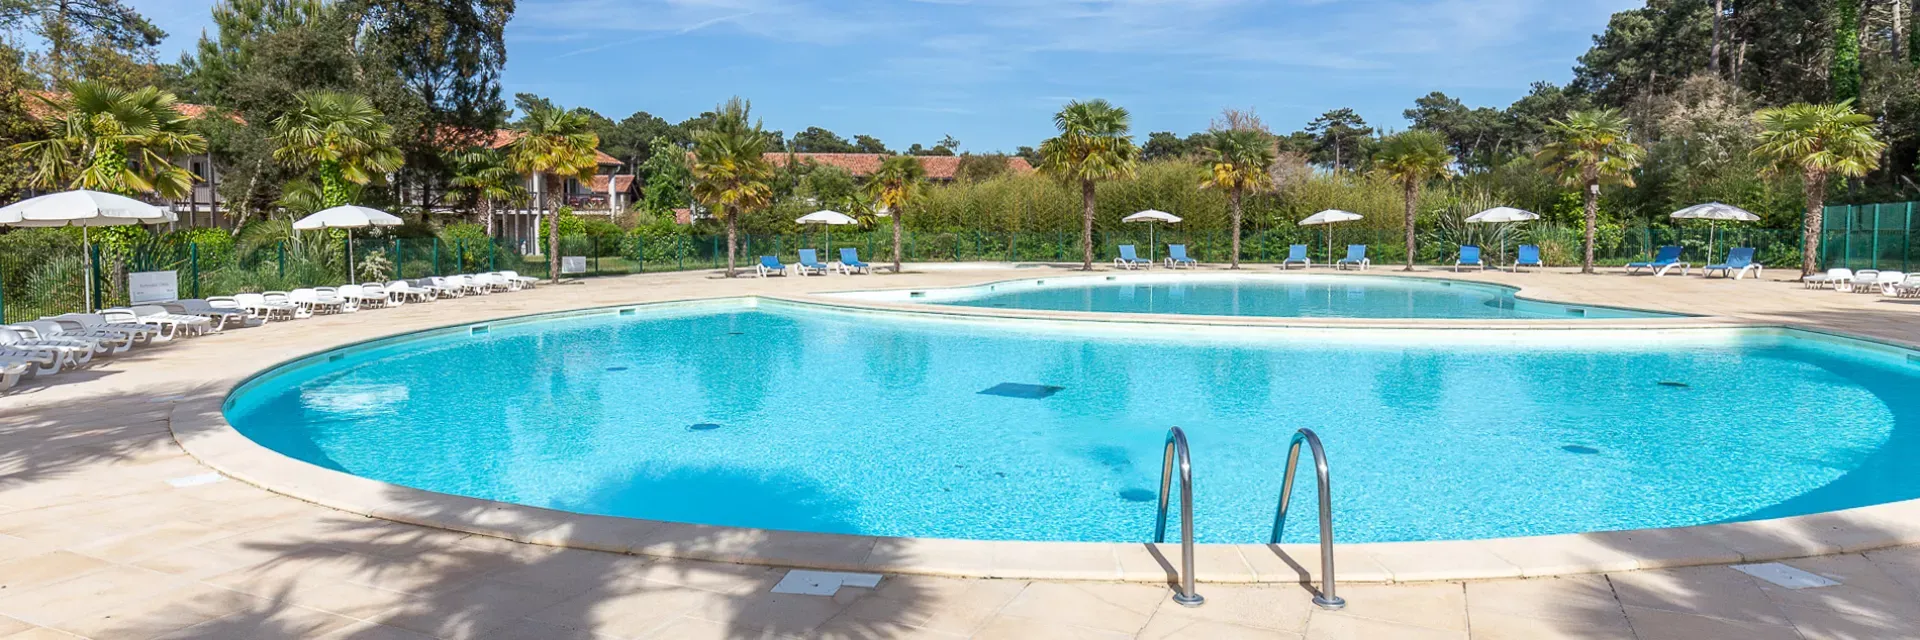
(1327, 599)
(1176, 451)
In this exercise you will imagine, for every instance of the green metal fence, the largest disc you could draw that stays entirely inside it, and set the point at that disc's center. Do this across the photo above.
(48, 279)
(1869, 236)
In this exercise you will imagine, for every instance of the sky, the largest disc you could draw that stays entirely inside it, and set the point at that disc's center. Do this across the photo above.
(991, 73)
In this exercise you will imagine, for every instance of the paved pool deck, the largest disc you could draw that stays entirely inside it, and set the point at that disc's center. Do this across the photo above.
(110, 529)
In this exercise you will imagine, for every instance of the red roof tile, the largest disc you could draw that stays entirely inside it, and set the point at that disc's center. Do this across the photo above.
(504, 137)
(620, 183)
(864, 164)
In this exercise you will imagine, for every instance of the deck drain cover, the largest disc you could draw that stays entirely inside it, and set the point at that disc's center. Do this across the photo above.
(1136, 495)
(1785, 575)
(1574, 448)
(1024, 391)
(702, 426)
(1670, 383)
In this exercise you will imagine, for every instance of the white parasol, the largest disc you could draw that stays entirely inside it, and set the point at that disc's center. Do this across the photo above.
(347, 217)
(1330, 217)
(1151, 217)
(83, 209)
(827, 217)
(1714, 212)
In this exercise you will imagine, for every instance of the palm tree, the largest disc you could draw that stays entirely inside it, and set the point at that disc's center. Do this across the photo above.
(339, 136)
(1412, 158)
(1817, 141)
(730, 168)
(481, 176)
(892, 187)
(108, 139)
(1093, 145)
(1586, 149)
(554, 141)
(1240, 161)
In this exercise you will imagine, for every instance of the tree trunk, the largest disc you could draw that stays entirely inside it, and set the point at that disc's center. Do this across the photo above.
(1413, 198)
(1593, 220)
(1713, 52)
(553, 244)
(1086, 225)
(486, 215)
(1816, 193)
(733, 235)
(898, 213)
(1234, 198)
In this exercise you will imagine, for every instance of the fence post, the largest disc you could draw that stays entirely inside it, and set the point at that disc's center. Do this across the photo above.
(1876, 236)
(193, 252)
(593, 245)
(283, 260)
(680, 247)
(94, 260)
(492, 256)
(436, 257)
(399, 268)
(460, 255)
(1906, 240)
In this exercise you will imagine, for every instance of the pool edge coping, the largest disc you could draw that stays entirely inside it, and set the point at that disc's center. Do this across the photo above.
(200, 428)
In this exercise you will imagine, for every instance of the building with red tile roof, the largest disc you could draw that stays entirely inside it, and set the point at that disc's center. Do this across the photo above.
(942, 168)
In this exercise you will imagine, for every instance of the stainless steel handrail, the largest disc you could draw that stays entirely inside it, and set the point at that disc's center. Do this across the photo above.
(1177, 444)
(1326, 599)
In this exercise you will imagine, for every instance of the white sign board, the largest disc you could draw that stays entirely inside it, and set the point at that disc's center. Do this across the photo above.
(153, 286)
(573, 264)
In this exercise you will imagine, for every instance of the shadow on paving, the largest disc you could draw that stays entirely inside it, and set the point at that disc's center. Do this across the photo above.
(448, 584)
(40, 444)
(477, 587)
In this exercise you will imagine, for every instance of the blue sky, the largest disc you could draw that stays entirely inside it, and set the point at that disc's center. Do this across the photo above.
(991, 72)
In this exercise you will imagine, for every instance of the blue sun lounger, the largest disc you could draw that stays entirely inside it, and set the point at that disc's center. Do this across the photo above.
(1529, 257)
(770, 266)
(1739, 262)
(1128, 259)
(1177, 255)
(810, 263)
(1356, 257)
(1469, 257)
(1664, 260)
(850, 262)
(1297, 253)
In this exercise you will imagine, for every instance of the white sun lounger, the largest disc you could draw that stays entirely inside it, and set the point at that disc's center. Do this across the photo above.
(1885, 282)
(80, 347)
(313, 302)
(169, 324)
(1827, 280)
(219, 317)
(410, 293)
(264, 308)
(15, 348)
(119, 336)
(525, 282)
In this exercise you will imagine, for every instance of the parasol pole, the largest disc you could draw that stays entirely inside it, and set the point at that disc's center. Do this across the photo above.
(86, 279)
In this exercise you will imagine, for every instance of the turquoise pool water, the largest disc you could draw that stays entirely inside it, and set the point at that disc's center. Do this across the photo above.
(1290, 295)
(794, 417)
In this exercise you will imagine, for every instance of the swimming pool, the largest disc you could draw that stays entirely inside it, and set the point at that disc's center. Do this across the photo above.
(1275, 295)
(786, 416)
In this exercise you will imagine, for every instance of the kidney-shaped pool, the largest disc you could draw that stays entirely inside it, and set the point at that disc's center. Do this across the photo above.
(788, 416)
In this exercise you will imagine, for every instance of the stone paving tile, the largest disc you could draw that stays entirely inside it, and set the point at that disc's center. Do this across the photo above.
(1120, 608)
(1718, 592)
(1656, 624)
(1323, 626)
